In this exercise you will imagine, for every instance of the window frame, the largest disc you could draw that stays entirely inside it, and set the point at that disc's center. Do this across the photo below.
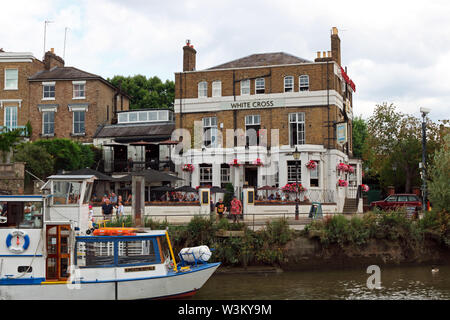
(84, 122)
(202, 173)
(290, 166)
(52, 124)
(211, 129)
(202, 90)
(48, 84)
(260, 87)
(314, 174)
(11, 119)
(74, 90)
(245, 84)
(217, 88)
(301, 123)
(301, 84)
(291, 85)
(16, 79)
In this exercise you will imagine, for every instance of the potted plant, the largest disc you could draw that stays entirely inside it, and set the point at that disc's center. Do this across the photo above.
(188, 167)
(311, 164)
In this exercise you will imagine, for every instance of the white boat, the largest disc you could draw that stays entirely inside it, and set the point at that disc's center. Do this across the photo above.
(48, 252)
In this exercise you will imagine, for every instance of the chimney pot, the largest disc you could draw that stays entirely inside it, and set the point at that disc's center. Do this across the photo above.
(335, 30)
(318, 54)
(52, 50)
(329, 54)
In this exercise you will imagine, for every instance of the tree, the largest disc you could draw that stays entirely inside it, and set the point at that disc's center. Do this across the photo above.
(393, 146)
(7, 140)
(439, 177)
(359, 134)
(37, 160)
(146, 93)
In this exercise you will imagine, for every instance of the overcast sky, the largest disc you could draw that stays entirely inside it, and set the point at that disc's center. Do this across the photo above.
(395, 51)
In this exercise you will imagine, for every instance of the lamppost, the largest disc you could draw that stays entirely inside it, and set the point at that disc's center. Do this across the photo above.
(424, 112)
(296, 155)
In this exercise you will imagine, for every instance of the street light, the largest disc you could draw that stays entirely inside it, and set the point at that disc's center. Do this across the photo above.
(296, 155)
(424, 112)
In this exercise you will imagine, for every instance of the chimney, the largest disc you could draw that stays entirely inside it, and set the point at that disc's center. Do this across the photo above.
(51, 60)
(335, 46)
(189, 56)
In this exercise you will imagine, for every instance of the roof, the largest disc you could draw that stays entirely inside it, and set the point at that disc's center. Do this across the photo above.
(88, 171)
(64, 73)
(262, 59)
(70, 73)
(150, 176)
(162, 131)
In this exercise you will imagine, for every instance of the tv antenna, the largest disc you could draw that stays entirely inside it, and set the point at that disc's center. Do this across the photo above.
(65, 35)
(45, 31)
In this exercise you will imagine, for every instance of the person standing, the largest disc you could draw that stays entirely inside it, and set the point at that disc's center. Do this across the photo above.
(220, 209)
(107, 209)
(236, 208)
(119, 210)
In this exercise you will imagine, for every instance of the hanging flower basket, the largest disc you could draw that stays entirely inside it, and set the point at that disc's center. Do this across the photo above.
(235, 163)
(350, 169)
(258, 162)
(292, 187)
(364, 187)
(188, 167)
(311, 164)
(342, 183)
(342, 167)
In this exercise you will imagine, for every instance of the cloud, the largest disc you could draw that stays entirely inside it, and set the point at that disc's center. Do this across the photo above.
(395, 51)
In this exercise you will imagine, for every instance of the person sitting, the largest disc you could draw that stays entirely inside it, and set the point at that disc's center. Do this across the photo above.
(271, 197)
(278, 197)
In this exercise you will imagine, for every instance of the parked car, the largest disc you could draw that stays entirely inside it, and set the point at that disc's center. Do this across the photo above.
(398, 200)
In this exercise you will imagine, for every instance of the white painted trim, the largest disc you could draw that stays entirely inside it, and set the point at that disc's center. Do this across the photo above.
(291, 99)
(51, 83)
(4, 83)
(79, 82)
(19, 101)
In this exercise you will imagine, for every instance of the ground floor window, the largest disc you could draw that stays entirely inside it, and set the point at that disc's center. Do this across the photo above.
(314, 175)
(205, 174)
(225, 173)
(294, 171)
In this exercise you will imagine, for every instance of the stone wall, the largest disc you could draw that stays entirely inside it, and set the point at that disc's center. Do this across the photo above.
(12, 178)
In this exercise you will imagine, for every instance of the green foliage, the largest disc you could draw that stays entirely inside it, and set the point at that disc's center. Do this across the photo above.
(37, 160)
(228, 196)
(8, 139)
(439, 177)
(68, 155)
(146, 92)
(393, 148)
(359, 135)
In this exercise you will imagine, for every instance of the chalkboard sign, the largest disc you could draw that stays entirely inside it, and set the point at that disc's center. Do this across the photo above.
(250, 197)
(205, 197)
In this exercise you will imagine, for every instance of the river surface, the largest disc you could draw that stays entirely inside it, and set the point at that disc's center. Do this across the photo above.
(397, 283)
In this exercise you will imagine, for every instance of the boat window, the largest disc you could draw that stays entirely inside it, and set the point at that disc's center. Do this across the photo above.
(94, 254)
(87, 192)
(66, 192)
(136, 252)
(19, 214)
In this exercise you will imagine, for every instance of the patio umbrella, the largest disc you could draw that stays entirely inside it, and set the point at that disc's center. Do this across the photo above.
(163, 188)
(186, 189)
(267, 188)
(218, 190)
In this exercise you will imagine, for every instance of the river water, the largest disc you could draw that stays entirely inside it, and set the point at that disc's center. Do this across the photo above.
(397, 283)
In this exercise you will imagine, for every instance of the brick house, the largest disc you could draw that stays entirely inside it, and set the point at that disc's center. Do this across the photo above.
(67, 102)
(242, 120)
(59, 101)
(15, 68)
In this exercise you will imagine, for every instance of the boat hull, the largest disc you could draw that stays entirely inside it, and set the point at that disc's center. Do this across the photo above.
(172, 285)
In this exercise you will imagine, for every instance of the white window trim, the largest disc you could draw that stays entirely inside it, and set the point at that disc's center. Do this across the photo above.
(48, 84)
(217, 88)
(297, 122)
(300, 84)
(263, 87)
(48, 110)
(4, 116)
(204, 91)
(73, 122)
(73, 91)
(284, 83)
(249, 87)
(4, 83)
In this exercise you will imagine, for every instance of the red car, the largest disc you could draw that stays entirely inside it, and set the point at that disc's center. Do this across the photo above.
(398, 200)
